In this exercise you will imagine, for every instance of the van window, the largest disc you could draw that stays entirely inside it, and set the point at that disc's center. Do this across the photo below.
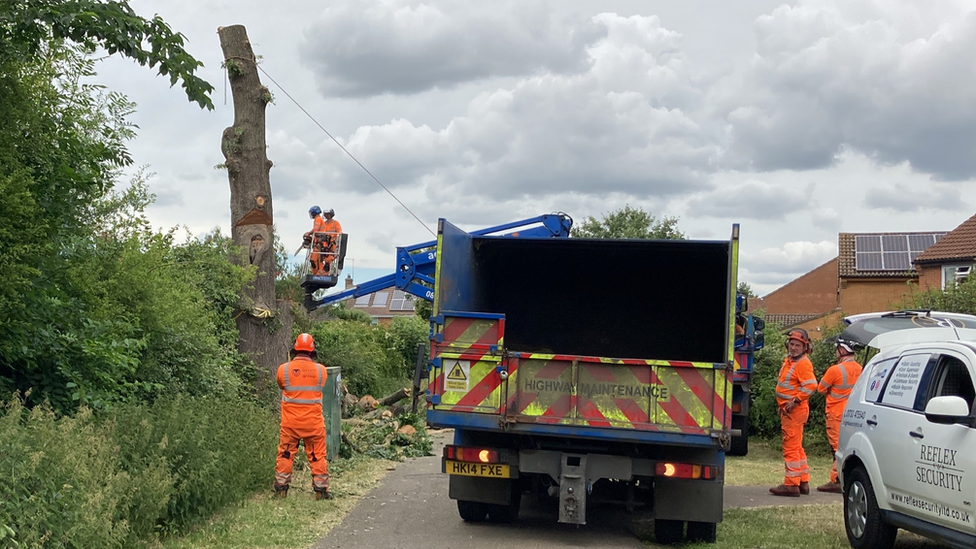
(902, 388)
(952, 378)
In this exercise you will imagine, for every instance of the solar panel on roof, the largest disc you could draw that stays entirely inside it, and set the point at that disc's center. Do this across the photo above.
(890, 252)
(868, 261)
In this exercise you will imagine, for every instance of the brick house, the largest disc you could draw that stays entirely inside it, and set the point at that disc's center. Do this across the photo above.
(383, 305)
(950, 260)
(872, 272)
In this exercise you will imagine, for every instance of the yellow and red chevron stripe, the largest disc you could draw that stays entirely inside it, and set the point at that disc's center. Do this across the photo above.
(474, 345)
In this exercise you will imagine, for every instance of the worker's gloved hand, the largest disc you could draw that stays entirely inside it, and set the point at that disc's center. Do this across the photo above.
(306, 241)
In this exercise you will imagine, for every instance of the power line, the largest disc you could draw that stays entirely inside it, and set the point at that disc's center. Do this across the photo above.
(378, 182)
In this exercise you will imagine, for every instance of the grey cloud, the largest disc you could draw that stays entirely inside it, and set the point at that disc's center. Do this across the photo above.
(902, 198)
(894, 83)
(593, 133)
(752, 200)
(360, 49)
(794, 257)
(168, 197)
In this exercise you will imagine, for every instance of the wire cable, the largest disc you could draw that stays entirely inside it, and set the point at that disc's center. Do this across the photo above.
(312, 118)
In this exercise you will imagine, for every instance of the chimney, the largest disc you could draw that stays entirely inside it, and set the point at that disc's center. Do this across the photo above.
(348, 281)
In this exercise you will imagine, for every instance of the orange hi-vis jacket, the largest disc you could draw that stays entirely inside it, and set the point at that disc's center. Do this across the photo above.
(796, 380)
(326, 230)
(301, 382)
(837, 383)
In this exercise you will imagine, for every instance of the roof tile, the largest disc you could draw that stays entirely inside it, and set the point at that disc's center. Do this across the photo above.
(959, 244)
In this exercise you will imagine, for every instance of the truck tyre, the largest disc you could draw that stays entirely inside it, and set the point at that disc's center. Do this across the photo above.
(505, 513)
(667, 532)
(702, 531)
(472, 511)
(862, 518)
(740, 444)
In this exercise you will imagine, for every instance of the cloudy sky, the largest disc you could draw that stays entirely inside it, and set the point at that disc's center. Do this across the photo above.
(797, 120)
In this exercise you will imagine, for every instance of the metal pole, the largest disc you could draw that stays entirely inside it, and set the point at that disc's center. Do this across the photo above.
(417, 371)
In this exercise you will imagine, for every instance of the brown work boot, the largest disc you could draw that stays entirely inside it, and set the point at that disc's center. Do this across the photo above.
(322, 494)
(832, 487)
(281, 491)
(784, 490)
(805, 488)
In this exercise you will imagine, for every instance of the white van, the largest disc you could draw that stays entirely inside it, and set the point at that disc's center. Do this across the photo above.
(907, 451)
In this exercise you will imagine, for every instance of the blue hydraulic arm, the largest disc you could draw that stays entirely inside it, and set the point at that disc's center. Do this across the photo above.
(415, 264)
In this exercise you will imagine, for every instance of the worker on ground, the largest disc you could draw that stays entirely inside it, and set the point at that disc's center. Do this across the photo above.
(796, 385)
(301, 381)
(324, 238)
(837, 383)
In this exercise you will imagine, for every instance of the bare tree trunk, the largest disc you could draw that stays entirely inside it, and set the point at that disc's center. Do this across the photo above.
(264, 325)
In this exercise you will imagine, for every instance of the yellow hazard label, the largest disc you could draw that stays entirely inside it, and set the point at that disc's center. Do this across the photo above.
(457, 375)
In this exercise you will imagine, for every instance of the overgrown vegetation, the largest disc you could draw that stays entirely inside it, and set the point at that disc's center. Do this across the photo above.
(119, 478)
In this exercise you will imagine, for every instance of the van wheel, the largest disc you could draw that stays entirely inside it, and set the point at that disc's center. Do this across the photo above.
(667, 532)
(702, 531)
(472, 511)
(862, 518)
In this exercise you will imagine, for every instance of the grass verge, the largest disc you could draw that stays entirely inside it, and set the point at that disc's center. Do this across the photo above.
(264, 522)
(764, 466)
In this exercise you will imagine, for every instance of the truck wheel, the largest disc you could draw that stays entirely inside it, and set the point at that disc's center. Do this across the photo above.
(740, 444)
(667, 532)
(862, 518)
(702, 531)
(506, 513)
(472, 511)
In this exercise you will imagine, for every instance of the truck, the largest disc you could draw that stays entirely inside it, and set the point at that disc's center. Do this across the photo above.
(577, 387)
(622, 388)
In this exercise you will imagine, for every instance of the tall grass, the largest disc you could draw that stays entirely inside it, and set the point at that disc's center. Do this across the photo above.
(124, 479)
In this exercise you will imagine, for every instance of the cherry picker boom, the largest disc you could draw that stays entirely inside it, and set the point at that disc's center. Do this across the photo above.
(415, 264)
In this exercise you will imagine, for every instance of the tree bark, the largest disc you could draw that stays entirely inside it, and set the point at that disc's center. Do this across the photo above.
(264, 324)
(395, 397)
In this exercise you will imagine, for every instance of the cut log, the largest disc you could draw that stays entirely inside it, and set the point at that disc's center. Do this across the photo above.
(367, 403)
(395, 397)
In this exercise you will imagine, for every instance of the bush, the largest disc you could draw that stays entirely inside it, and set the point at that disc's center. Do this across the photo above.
(142, 470)
(375, 360)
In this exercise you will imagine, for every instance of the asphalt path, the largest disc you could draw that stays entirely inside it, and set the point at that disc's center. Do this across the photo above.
(410, 508)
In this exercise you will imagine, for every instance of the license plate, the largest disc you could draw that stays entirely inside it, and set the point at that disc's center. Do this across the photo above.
(489, 470)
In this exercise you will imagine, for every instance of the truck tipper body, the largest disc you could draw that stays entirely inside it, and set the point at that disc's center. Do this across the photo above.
(585, 369)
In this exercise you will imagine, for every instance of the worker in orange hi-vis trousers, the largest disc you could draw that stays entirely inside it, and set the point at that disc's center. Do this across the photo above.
(301, 381)
(837, 383)
(796, 385)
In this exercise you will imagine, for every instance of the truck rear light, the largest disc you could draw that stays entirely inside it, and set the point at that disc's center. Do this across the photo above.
(471, 454)
(685, 470)
(736, 407)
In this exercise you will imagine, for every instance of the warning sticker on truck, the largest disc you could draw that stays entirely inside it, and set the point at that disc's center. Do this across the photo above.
(458, 374)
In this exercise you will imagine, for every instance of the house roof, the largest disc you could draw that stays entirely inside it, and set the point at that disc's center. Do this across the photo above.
(960, 244)
(847, 258)
(789, 320)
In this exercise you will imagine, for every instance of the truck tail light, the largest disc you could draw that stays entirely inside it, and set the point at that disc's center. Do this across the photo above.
(685, 470)
(471, 454)
(736, 407)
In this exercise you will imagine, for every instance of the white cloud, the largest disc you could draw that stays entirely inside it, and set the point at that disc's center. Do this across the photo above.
(753, 199)
(889, 78)
(902, 197)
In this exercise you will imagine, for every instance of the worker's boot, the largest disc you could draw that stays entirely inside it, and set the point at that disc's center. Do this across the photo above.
(805, 488)
(831, 487)
(281, 491)
(322, 493)
(784, 490)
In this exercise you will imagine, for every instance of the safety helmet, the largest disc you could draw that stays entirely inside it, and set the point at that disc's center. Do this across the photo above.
(330, 211)
(800, 335)
(847, 347)
(304, 342)
(314, 211)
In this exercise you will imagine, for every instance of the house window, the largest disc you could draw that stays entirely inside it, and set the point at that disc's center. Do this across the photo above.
(955, 274)
(401, 301)
(363, 301)
(379, 299)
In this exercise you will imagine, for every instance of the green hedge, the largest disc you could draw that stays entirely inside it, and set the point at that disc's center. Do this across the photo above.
(141, 471)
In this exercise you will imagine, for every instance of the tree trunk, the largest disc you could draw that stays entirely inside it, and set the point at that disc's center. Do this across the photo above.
(263, 323)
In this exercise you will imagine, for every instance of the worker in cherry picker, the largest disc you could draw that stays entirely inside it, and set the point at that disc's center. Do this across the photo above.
(323, 239)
